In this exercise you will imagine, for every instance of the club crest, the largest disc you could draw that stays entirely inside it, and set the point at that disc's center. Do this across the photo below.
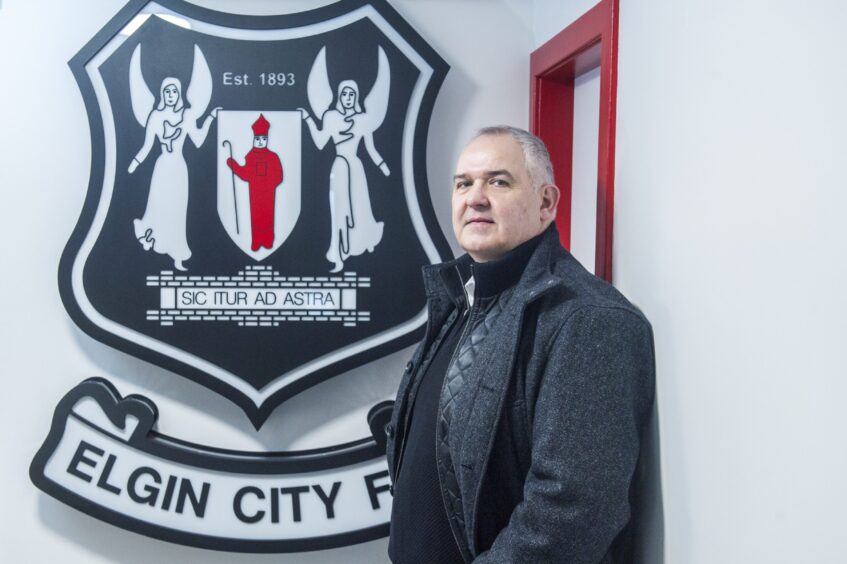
(258, 211)
(256, 220)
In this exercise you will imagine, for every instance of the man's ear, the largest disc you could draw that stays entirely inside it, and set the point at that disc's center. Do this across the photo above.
(549, 201)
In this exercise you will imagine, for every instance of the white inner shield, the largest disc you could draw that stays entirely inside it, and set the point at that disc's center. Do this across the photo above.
(234, 193)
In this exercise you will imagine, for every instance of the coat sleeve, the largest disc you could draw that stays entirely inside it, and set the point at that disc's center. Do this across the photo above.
(594, 397)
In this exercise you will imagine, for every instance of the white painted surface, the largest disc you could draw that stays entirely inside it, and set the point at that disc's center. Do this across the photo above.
(549, 17)
(586, 132)
(44, 166)
(730, 234)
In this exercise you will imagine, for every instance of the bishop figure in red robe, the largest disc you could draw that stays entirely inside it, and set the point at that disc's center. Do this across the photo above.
(263, 173)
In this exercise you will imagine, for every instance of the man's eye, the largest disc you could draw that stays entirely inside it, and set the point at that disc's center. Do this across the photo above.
(499, 182)
(462, 184)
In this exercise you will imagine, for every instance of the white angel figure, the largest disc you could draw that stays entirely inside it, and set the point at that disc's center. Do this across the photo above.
(354, 229)
(163, 225)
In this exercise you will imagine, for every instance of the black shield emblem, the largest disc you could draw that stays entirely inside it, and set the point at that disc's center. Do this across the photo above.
(258, 210)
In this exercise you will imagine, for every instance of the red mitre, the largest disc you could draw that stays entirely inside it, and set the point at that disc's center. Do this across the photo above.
(260, 126)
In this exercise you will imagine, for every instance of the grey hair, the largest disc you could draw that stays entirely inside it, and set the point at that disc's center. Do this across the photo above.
(534, 152)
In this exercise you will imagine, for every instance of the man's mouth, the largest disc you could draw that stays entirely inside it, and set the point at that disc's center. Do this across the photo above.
(478, 220)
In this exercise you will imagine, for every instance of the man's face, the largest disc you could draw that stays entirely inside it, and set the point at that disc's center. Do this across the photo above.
(260, 141)
(495, 207)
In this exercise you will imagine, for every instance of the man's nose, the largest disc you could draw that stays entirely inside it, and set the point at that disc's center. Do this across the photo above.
(477, 195)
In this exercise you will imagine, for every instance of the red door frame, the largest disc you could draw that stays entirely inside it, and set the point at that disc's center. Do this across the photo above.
(589, 42)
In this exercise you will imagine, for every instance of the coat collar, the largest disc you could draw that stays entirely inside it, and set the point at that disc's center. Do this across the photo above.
(445, 280)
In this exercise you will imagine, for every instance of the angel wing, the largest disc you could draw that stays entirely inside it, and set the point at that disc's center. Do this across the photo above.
(317, 87)
(200, 88)
(376, 103)
(142, 99)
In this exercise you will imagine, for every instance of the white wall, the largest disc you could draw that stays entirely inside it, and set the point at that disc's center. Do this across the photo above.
(731, 192)
(44, 165)
(729, 233)
(549, 17)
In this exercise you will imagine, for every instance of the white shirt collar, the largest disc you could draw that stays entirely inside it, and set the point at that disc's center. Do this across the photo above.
(470, 285)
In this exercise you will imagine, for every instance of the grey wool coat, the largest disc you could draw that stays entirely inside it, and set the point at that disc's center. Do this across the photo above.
(544, 434)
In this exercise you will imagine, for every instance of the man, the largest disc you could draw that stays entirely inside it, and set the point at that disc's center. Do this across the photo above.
(263, 173)
(515, 433)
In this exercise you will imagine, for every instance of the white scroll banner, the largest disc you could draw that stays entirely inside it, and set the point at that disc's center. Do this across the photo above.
(102, 457)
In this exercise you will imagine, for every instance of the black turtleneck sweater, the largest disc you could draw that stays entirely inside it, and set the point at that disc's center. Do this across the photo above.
(420, 531)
